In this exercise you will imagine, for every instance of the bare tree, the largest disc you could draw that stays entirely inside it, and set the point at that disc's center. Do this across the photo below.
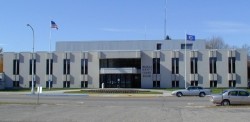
(216, 43)
(247, 47)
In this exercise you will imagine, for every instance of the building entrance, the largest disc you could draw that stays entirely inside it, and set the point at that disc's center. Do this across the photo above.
(120, 80)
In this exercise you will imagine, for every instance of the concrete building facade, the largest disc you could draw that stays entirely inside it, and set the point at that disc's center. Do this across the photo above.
(139, 64)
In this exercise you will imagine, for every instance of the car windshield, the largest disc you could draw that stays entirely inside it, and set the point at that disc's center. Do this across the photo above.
(224, 91)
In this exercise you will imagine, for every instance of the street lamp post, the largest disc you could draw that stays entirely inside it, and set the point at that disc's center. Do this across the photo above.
(32, 62)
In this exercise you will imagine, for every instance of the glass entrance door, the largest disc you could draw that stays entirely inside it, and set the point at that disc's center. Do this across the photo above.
(120, 80)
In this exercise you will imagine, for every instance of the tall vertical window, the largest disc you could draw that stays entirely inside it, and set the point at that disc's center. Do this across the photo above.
(66, 66)
(193, 65)
(231, 65)
(175, 65)
(34, 61)
(212, 65)
(15, 67)
(156, 65)
(51, 66)
(84, 66)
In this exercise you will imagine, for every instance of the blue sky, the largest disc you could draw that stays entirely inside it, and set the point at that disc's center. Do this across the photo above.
(90, 20)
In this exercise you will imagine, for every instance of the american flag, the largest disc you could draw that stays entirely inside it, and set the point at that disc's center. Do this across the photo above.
(53, 25)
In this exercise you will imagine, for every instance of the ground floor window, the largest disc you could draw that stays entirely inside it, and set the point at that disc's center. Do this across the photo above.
(49, 84)
(232, 83)
(16, 84)
(156, 84)
(213, 83)
(175, 84)
(66, 84)
(84, 84)
(30, 84)
(194, 83)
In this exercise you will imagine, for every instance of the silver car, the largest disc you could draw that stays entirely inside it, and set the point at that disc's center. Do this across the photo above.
(231, 96)
(192, 91)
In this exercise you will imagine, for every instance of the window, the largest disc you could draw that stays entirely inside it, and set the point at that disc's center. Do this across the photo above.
(156, 84)
(16, 84)
(175, 65)
(231, 65)
(212, 65)
(66, 84)
(30, 84)
(213, 83)
(49, 61)
(233, 93)
(31, 66)
(156, 65)
(84, 66)
(189, 46)
(15, 67)
(158, 46)
(66, 66)
(193, 65)
(194, 83)
(232, 83)
(84, 84)
(49, 83)
(175, 84)
(243, 93)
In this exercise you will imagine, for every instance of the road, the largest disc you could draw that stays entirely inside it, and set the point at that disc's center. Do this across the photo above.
(23, 108)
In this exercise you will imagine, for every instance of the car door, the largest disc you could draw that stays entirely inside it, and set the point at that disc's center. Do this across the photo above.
(244, 97)
(233, 97)
(190, 91)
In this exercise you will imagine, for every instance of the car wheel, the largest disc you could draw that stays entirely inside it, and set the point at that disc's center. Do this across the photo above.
(225, 103)
(202, 94)
(179, 94)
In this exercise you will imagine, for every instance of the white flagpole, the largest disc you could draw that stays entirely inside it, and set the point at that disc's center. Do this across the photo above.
(50, 57)
(185, 60)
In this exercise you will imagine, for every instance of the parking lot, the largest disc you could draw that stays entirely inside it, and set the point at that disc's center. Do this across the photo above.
(23, 108)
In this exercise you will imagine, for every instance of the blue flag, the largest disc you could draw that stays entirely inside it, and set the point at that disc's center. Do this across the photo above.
(190, 37)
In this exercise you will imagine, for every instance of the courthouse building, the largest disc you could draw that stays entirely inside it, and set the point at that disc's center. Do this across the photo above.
(127, 64)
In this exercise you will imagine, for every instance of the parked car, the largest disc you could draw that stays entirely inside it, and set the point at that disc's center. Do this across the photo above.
(192, 91)
(231, 96)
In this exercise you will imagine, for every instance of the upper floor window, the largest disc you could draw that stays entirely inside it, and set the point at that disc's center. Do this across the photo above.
(15, 67)
(193, 65)
(175, 65)
(189, 46)
(84, 66)
(34, 63)
(231, 65)
(66, 66)
(158, 46)
(49, 61)
(212, 65)
(156, 65)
